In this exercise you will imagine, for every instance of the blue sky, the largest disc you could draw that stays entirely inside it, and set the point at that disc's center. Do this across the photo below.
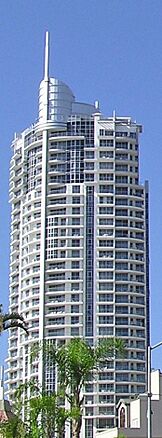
(109, 50)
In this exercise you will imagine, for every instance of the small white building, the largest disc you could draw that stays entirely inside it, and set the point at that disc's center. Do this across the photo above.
(132, 414)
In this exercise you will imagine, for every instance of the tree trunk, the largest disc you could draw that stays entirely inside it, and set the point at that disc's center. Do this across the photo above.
(76, 427)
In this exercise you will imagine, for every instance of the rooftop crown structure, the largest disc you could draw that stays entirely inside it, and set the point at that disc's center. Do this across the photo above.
(79, 245)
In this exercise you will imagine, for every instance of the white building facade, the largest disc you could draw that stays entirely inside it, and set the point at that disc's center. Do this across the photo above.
(79, 244)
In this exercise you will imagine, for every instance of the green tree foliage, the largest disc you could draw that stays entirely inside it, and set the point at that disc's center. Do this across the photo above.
(77, 363)
(47, 416)
(43, 414)
(12, 428)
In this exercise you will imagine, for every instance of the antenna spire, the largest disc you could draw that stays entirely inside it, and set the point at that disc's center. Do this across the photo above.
(46, 60)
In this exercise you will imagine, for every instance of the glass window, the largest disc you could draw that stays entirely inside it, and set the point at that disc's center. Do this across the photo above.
(121, 145)
(106, 154)
(122, 388)
(75, 331)
(76, 210)
(76, 200)
(89, 166)
(105, 210)
(105, 319)
(106, 221)
(106, 331)
(106, 275)
(75, 265)
(75, 253)
(74, 308)
(75, 286)
(121, 266)
(106, 199)
(107, 243)
(121, 244)
(89, 154)
(75, 189)
(120, 201)
(89, 177)
(106, 189)
(75, 242)
(75, 232)
(121, 287)
(105, 264)
(105, 297)
(75, 275)
(75, 297)
(74, 319)
(121, 179)
(105, 165)
(121, 309)
(105, 308)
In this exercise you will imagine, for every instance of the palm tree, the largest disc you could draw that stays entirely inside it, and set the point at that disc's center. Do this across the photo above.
(77, 363)
(11, 320)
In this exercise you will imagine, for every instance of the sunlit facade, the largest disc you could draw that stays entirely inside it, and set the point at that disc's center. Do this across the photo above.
(79, 245)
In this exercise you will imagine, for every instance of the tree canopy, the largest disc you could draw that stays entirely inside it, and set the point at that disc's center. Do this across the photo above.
(77, 363)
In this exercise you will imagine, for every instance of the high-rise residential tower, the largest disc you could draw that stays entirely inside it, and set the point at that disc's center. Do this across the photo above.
(79, 244)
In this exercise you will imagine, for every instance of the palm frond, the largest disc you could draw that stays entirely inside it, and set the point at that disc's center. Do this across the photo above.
(11, 320)
(10, 316)
(15, 324)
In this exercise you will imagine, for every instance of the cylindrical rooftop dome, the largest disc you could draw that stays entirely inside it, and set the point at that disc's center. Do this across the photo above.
(60, 99)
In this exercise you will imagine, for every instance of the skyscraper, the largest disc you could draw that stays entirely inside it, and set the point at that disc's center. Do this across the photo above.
(79, 244)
